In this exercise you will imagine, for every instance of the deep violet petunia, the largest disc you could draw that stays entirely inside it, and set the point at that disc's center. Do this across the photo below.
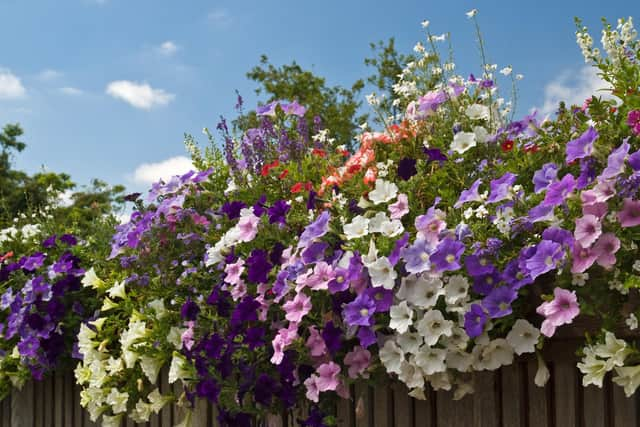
(407, 168)
(332, 336)
(474, 321)
(258, 266)
(447, 255)
(232, 209)
(278, 212)
(383, 298)
(189, 310)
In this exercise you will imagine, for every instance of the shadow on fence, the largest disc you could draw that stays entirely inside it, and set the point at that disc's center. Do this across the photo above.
(504, 398)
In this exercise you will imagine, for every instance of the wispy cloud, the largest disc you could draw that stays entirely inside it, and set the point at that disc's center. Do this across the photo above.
(139, 95)
(168, 48)
(71, 91)
(10, 85)
(48, 75)
(574, 88)
(220, 18)
(148, 173)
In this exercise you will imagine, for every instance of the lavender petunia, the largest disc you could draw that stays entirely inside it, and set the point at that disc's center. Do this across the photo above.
(416, 256)
(615, 161)
(546, 258)
(315, 230)
(544, 177)
(500, 187)
(360, 311)
(498, 302)
(582, 146)
(559, 191)
(470, 195)
(447, 255)
(474, 321)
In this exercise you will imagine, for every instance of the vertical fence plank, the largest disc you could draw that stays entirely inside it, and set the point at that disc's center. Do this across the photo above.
(22, 406)
(538, 414)
(200, 413)
(565, 391)
(594, 407)
(453, 413)
(67, 408)
(425, 411)
(402, 406)
(485, 403)
(58, 402)
(47, 396)
(78, 411)
(6, 411)
(364, 411)
(624, 408)
(382, 406)
(38, 397)
(165, 388)
(512, 387)
(344, 412)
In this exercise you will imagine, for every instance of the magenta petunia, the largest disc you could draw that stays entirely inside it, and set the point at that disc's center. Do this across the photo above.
(560, 311)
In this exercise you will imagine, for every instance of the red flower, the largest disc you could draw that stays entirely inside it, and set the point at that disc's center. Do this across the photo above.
(319, 152)
(6, 256)
(507, 145)
(308, 186)
(531, 148)
(297, 187)
(267, 168)
(283, 174)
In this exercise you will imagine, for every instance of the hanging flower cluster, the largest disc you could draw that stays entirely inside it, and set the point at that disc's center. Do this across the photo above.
(451, 242)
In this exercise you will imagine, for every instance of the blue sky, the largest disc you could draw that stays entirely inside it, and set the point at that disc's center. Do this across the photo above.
(105, 86)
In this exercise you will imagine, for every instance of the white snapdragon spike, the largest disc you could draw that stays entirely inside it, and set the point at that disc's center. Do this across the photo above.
(383, 192)
(456, 290)
(382, 273)
(433, 325)
(410, 342)
(117, 290)
(117, 400)
(523, 337)
(391, 357)
(614, 350)
(459, 360)
(431, 360)
(401, 317)
(629, 378)
(593, 368)
(463, 141)
(477, 112)
(411, 375)
(358, 227)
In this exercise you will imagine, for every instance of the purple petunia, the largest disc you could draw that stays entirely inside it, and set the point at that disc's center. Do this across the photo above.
(546, 258)
(615, 161)
(278, 212)
(416, 256)
(474, 321)
(447, 255)
(500, 187)
(544, 177)
(470, 195)
(315, 230)
(498, 302)
(582, 146)
(559, 191)
(359, 312)
(258, 266)
(189, 310)
(407, 168)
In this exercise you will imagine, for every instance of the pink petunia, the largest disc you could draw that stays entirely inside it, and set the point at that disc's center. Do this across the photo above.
(560, 311)
(605, 249)
(400, 208)
(233, 272)
(599, 209)
(588, 229)
(282, 340)
(629, 216)
(358, 361)
(315, 343)
(297, 308)
(328, 376)
(313, 392)
(248, 227)
(583, 258)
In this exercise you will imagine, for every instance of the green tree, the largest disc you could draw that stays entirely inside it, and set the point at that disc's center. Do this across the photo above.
(337, 107)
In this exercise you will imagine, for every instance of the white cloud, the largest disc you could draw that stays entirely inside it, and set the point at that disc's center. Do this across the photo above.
(220, 17)
(168, 48)
(71, 91)
(10, 85)
(139, 95)
(574, 88)
(148, 173)
(48, 75)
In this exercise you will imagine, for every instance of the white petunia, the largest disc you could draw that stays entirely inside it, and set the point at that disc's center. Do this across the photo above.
(411, 375)
(91, 280)
(178, 370)
(117, 400)
(382, 273)
(410, 342)
(418, 393)
(629, 378)
(523, 337)
(463, 141)
(431, 360)
(614, 350)
(141, 412)
(157, 305)
(432, 326)
(459, 360)
(456, 289)
(458, 339)
(593, 369)
(477, 112)
(358, 227)
(632, 322)
(158, 401)
(463, 388)
(440, 381)
(481, 133)
(383, 192)
(391, 357)
(151, 367)
(117, 290)
(401, 317)
(493, 355)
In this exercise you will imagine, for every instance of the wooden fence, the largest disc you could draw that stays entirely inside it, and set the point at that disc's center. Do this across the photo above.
(505, 398)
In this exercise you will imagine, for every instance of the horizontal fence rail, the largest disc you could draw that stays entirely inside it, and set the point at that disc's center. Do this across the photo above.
(504, 398)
